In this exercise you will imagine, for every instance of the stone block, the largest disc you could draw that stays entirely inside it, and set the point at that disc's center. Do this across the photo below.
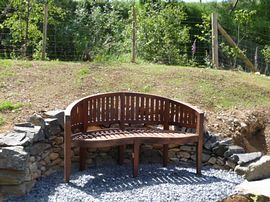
(16, 190)
(259, 169)
(39, 148)
(233, 149)
(58, 114)
(13, 158)
(188, 148)
(13, 177)
(34, 133)
(14, 139)
(246, 158)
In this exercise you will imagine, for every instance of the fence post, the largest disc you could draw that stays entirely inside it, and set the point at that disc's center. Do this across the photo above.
(134, 18)
(45, 25)
(214, 23)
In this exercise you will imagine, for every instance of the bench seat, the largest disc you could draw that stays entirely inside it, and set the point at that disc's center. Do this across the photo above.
(112, 136)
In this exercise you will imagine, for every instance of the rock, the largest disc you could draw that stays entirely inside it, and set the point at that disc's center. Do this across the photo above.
(212, 160)
(245, 158)
(174, 150)
(36, 175)
(37, 120)
(24, 124)
(158, 146)
(17, 190)
(260, 187)
(188, 148)
(175, 160)
(220, 150)
(220, 161)
(14, 158)
(53, 156)
(57, 162)
(42, 163)
(171, 146)
(171, 154)
(52, 127)
(205, 157)
(58, 114)
(230, 164)
(13, 177)
(13, 139)
(32, 159)
(34, 133)
(183, 154)
(240, 170)
(237, 198)
(211, 142)
(39, 148)
(50, 171)
(233, 149)
(259, 169)
(43, 168)
(58, 140)
(33, 167)
(226, 141)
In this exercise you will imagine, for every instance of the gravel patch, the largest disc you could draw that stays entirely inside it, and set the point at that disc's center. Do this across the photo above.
(154, 183)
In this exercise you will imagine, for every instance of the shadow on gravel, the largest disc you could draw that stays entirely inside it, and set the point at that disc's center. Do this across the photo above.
(97, 181)
(120, 179)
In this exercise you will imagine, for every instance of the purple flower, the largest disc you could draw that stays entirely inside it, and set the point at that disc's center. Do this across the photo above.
(193, 48)
(256, 57)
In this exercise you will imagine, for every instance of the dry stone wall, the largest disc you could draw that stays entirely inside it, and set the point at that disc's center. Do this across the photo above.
(35, 149)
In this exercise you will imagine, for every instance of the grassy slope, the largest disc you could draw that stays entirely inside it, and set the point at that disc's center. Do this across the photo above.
(48, 85)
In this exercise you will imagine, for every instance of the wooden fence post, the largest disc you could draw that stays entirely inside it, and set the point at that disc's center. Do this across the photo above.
(214, 23)
(45, 25)
(134, 18)
(242, 56)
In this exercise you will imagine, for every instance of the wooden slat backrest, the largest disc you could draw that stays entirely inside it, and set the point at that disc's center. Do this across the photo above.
(130, 108)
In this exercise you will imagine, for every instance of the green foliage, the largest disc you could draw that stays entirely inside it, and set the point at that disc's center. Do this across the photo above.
(84, 71)
(230, 51)
(15, 23)
(9, 106)
(100, 29)
(162, 37)
(266, 53)
(205, 28)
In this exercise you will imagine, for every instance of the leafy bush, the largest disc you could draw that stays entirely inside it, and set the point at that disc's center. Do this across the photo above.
(162, 37)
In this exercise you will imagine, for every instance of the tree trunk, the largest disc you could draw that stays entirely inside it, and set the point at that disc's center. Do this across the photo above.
(26, 30)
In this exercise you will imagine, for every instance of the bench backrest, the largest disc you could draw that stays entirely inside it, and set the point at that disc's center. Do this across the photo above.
(125, 108)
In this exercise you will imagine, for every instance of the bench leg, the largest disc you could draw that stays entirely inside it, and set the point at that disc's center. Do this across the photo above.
(199, 157)
(135, 156)
(121, 154)
(83, 152)
(67, 159)
(165, 154)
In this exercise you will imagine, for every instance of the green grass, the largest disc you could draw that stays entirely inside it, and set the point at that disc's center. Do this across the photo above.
(9, 106)
(84, 71)
(207, 88)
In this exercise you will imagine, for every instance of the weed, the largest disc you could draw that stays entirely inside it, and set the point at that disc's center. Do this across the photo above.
(84, 71)
(9, 106)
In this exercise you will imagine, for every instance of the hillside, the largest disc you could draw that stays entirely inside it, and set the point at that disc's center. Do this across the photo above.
(28, 87)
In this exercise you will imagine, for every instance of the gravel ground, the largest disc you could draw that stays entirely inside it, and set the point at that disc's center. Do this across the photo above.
(154, 183)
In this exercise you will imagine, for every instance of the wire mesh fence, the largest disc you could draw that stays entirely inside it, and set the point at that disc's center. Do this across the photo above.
(62, 44)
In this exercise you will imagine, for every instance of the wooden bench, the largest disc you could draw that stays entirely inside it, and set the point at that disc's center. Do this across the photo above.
(124, 117)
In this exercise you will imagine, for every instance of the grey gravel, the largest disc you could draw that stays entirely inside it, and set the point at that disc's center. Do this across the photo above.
(154, 183)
